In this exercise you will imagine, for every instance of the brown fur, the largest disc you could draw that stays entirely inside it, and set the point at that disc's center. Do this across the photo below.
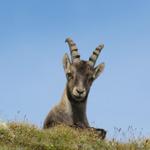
(71, 109)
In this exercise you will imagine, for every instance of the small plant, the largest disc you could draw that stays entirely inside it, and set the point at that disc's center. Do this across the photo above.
(23, 136)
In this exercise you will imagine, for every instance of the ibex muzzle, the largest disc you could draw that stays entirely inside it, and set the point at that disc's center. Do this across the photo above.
(80, 75)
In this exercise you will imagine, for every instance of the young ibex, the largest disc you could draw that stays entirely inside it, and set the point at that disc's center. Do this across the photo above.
(80, 75)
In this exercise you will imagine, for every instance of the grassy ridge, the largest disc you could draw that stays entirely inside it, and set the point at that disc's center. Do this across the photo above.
(19, 136)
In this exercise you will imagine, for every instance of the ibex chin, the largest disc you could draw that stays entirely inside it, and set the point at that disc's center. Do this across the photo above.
(80, 74)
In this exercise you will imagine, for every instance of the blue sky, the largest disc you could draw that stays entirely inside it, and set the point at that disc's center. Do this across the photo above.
(32, 35)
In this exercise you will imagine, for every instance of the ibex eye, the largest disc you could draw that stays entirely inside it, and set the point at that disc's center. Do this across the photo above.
(90, 78)
(69, 76)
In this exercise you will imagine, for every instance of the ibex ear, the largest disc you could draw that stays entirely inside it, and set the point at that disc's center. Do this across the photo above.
(98, 70)
(66, 63)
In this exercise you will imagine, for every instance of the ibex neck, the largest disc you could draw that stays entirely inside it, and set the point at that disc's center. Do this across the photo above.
(78, 109)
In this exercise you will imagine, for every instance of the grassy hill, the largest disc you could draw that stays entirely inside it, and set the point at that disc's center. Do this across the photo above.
(21, 136)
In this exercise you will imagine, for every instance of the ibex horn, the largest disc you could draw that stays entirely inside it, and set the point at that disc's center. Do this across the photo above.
(94, 56)
(75, 57)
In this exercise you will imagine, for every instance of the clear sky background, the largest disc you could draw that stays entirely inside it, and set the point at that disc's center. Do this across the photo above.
(32, 80)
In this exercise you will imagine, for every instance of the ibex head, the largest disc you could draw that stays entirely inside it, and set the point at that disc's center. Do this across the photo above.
(80, 74)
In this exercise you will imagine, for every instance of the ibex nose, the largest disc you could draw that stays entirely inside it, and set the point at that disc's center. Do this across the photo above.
(80, 91)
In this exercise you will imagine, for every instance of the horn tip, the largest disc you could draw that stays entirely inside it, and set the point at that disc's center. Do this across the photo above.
(101, 46)
(68, 39)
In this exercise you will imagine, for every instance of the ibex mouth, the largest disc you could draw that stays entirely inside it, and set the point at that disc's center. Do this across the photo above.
(79, 93)
(78, 97)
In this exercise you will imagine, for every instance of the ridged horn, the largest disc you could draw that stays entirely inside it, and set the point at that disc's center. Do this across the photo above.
(94, 56)
(75, 57)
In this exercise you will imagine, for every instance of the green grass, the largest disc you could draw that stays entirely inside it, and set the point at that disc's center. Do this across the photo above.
(21, 136)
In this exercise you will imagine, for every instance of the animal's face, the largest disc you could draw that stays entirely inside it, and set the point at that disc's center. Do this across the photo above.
(80, 76)
(79, 79)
